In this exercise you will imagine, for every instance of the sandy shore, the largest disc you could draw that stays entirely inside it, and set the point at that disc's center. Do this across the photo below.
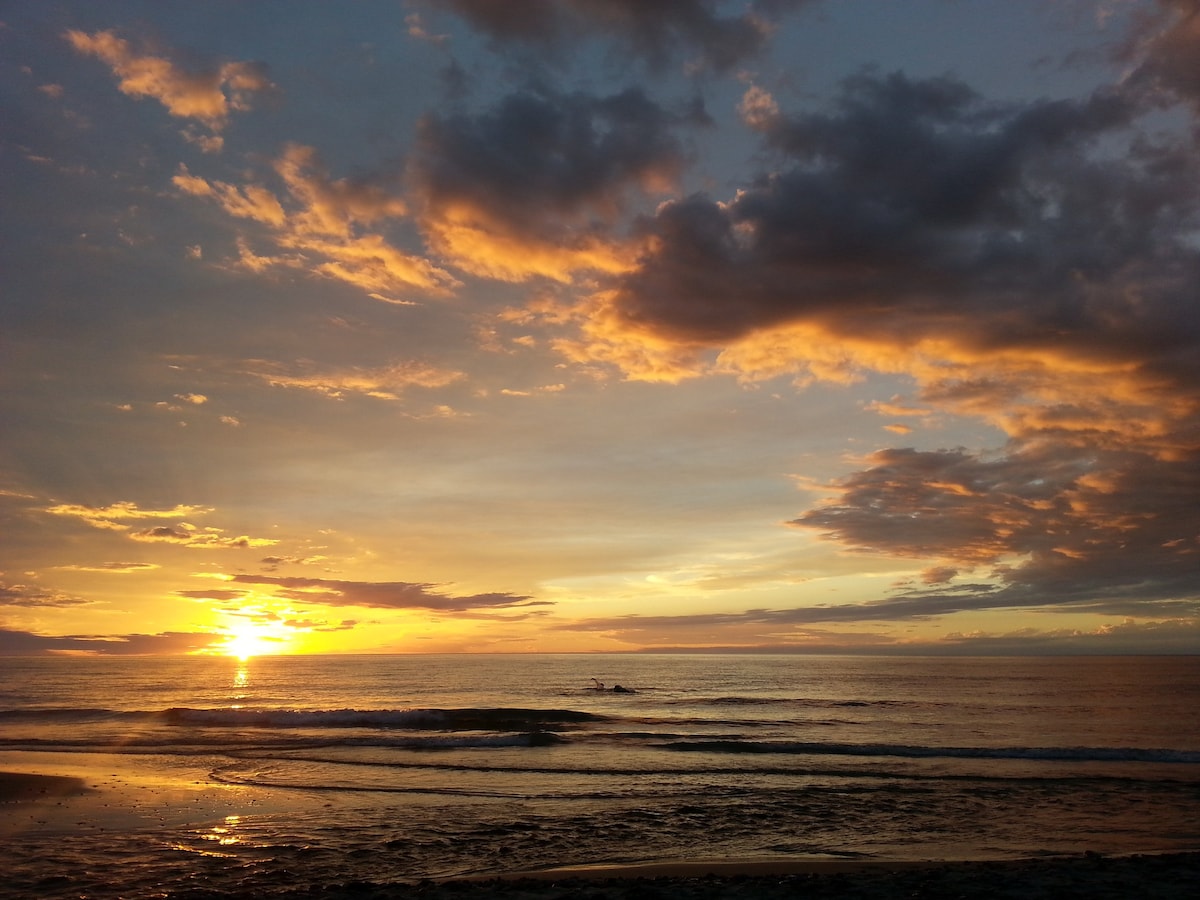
(19, 787)
(1163, 876)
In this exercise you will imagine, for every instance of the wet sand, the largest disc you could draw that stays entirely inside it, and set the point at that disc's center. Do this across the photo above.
(18, 787)
(1163, 876)
(1145, 877)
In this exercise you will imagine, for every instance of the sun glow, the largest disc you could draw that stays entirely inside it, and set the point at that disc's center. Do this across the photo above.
(247, 641)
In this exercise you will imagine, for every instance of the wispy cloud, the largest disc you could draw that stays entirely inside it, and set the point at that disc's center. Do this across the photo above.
(184, 534)
(33, 596)
(384, 595)
(823, 351)
(26, 643)
(116, 568)
(113, 517)
(325, 225)
(381, 383)
(208, 95)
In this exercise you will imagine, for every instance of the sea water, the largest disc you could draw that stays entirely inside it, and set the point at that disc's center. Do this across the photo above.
(397, 768)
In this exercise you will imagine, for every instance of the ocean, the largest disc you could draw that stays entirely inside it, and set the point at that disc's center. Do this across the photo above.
(273, 773)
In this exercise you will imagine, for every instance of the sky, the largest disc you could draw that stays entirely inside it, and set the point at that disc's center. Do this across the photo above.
(824, 326)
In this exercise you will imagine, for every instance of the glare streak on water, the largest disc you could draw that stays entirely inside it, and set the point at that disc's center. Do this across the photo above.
(397, 768)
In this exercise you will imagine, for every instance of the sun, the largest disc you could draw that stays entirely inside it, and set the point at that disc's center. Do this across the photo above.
(247, 642)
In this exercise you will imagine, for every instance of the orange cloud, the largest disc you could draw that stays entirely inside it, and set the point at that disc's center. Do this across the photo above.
(322, 226)
(331, 206)
(186, 535)
(480, 244)
(120, 568)
(112, 517)
(545, 205)
(896, 407)
(382, 383)
(1060, 320)
(249, 202)
(207, 96)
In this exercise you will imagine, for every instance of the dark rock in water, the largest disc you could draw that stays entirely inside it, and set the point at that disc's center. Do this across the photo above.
(544, 739)
(617, 689)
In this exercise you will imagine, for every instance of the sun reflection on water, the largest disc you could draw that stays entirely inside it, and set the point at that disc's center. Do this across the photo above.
(241, 682)
(224, 834)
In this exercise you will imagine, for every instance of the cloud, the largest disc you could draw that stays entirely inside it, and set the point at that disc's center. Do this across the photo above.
(120, 568)
(273, 562)
(384, 595)
(897, 407)
(977, 217)
(112, 517)
(324, 225)
(381, 383)
(211, 594)
(189, 536)
(332, 206)
(321, 626)
(655, 32)
(1032, 265)
(27, 643)
(534, 187)
(37, 597)
(208, 96)
(1057, 522)
(758, 108)
(997, 245)
(250, 202)
(805, 629)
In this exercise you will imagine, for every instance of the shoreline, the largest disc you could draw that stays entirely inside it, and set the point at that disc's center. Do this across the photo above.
(21, 787)
(1148, 875)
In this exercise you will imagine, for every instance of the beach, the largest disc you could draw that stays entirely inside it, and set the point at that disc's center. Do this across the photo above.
(67, 803)
(393, 777)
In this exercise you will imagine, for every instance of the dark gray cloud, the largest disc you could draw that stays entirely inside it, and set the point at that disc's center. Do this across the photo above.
(543, 152)
(1057, 524)
(656, 32)
(28, 643)
(915, 209)
(384, 595)
(544, 173)
(999, 253)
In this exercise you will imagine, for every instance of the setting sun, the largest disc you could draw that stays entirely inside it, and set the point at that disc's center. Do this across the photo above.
(248, 642)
